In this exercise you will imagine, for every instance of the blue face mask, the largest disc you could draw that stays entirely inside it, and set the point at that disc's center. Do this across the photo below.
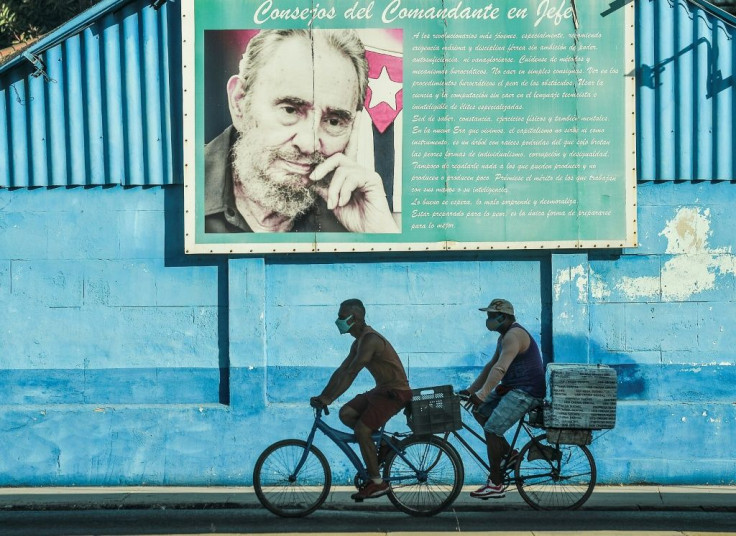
(343, 325)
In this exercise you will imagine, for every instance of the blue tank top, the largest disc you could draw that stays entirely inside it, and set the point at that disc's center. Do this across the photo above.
(526, 371)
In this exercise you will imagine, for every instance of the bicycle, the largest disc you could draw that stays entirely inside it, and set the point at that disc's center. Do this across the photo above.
(292, 477)
(548, 475)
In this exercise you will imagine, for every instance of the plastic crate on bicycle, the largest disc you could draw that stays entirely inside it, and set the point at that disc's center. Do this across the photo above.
(434, 410)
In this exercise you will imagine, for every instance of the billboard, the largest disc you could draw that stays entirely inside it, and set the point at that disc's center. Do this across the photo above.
(388, 125)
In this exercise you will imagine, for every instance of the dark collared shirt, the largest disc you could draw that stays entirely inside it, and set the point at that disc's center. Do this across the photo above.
(221, 215)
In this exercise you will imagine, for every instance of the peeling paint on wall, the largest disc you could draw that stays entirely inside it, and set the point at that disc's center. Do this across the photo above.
(634, 287)
(598, 288)
(688, 232)
(693, 268)
(577, 274)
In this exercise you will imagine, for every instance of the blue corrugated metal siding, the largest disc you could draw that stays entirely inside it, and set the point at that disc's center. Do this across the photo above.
(105, 111)
(106, 116)
(686, 112)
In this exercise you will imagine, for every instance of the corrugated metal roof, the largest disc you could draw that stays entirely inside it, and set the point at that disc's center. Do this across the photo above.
(102, 111)
(68, 29)
(724, 9)
(108, 110)
(17, 49)
(685, 107)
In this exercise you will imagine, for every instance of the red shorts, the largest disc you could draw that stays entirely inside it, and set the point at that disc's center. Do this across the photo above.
(377, 406)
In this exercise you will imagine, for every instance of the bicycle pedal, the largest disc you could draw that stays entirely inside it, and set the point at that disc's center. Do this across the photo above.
(358, 500)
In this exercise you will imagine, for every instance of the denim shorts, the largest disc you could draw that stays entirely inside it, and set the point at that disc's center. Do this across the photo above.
(504, 411)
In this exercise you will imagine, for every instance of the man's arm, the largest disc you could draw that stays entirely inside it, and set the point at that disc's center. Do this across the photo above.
(510, 348)
(481, 379)
(345, 374)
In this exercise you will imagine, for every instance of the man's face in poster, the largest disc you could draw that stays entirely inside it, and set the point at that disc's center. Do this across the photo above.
(298, 111)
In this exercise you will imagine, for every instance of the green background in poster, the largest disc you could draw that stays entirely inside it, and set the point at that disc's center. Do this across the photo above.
(544, 161)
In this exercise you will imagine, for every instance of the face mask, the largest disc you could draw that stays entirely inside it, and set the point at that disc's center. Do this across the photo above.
(493, 323)
(343, 325)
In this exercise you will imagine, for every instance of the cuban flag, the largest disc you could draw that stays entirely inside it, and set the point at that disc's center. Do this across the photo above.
(381, 135)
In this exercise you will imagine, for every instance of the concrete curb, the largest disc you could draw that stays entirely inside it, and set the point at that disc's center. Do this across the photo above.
(604, 498)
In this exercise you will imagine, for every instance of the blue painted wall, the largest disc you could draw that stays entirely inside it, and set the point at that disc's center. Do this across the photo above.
(125, 362)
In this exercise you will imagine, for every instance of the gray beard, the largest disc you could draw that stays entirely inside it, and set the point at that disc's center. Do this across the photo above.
(286, 195)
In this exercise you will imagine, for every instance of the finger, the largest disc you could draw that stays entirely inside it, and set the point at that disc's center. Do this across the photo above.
(330, 164)
(336, 185)
(351, 150)
(349, 185)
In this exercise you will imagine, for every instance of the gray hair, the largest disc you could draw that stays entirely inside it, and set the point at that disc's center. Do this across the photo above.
(345, 41)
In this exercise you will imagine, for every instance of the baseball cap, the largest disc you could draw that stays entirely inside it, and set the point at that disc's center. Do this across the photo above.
(498, 305)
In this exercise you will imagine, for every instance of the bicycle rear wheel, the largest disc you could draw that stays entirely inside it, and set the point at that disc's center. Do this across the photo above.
(282, 491)
(554, 477)
(428, 480)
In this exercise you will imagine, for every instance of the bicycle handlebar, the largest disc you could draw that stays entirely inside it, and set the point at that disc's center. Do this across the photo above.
(465, 400)
(318, 411)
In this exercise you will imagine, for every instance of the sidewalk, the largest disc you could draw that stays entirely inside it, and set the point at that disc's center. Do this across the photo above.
(612, 498)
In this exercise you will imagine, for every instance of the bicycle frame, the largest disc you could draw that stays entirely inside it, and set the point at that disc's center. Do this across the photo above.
(343, 441)
(546, 481)
(508, 470)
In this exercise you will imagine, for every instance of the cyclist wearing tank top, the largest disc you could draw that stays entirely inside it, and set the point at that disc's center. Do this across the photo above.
(509, 386)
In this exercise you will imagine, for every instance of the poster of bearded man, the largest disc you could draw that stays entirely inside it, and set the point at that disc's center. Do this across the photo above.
(293, 132)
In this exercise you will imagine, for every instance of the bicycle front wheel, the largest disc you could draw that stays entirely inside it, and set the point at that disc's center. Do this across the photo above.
(425, 478)
(554, 477)
(282, 489)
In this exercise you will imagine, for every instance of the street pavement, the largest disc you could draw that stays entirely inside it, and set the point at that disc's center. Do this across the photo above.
(604, 498)
(177, 511)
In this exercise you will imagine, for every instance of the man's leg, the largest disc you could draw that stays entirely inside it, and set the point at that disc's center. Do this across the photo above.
(481, 418)
(349, 416)
(497, 448)
(482, 414)
(375, 486)
(367, 449)
(381, 407)
(508, 410)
